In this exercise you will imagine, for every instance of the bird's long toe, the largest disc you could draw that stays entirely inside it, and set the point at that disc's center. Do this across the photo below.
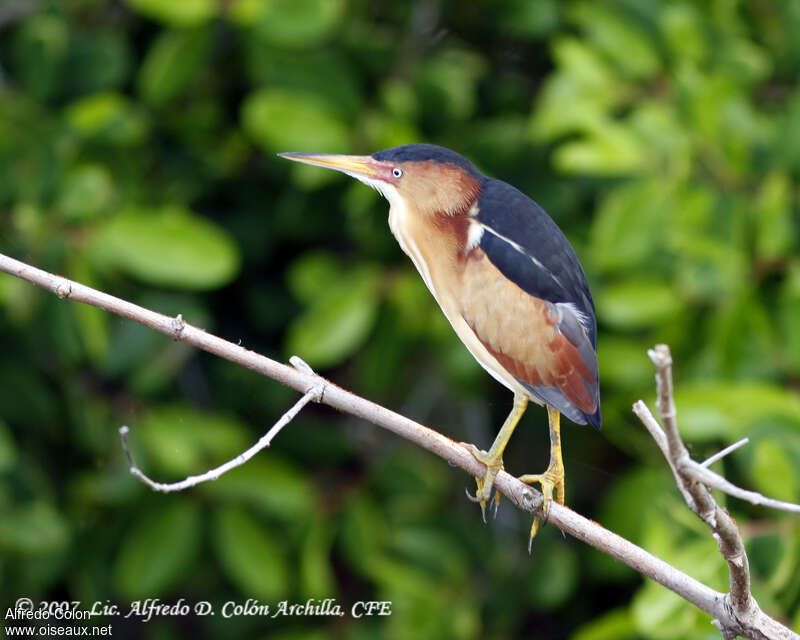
(494, 464)
(551, 483)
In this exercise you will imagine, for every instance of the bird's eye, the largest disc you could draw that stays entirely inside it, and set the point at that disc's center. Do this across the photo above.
(397, 173)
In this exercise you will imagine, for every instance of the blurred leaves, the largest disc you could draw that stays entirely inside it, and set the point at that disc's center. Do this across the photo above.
(250, 555)
(168, 247)
(296, 24)
(342, 308)
(137, 144)
(283, 120)
(158, 550)
(186, 13)
(171, 63)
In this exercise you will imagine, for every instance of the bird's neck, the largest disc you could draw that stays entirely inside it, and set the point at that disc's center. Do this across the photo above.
(434, 241)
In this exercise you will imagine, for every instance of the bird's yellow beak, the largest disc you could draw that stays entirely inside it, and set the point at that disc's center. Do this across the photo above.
(356, 166)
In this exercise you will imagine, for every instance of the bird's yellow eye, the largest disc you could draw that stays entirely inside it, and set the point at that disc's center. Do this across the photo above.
(397, 173)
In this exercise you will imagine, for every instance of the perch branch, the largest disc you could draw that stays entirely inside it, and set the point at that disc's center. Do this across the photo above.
(744, 615)
(526, 498)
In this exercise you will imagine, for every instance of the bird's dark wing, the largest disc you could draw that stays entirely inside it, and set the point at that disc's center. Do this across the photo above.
(529, 249)
(527, 246)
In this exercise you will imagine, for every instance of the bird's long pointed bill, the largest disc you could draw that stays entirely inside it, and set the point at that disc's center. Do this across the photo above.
(356, 166)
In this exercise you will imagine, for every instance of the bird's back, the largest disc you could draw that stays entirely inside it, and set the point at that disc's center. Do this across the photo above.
(558, 366)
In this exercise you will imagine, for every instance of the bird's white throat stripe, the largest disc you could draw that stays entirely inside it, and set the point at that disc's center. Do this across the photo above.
(398, 223)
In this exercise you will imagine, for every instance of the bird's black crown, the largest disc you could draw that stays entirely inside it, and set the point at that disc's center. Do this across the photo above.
(424, 152)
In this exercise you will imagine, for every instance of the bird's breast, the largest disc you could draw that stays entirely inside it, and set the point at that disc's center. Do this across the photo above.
(438, 252)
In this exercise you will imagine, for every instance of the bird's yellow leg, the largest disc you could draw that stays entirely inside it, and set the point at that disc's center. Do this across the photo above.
(552, 480)
(493, 459)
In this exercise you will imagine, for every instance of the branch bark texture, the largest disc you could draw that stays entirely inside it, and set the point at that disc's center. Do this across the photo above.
(715, 603)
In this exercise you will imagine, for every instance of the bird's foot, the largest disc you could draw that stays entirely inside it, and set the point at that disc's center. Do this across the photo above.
(494, 464)
(551, 481)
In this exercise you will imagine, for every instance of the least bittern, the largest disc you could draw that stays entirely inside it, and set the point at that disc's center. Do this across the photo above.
(505, 277)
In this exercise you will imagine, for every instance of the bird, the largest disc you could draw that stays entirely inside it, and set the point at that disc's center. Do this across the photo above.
(508, 281)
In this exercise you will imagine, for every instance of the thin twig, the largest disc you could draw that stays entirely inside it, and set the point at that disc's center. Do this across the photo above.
(745, 617)
(649, 421)
(715, 481)
(721, 454)
(213, 474)
(526, 498)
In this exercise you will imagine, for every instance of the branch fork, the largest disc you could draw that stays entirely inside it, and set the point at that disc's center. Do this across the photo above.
(695, 481)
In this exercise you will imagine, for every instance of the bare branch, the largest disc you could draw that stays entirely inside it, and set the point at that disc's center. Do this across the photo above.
(192, 481)
(716, 481)
(650, 422)
(744, 615)
(526, 498)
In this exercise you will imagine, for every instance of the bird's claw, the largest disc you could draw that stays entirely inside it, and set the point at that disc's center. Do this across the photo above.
(485, 485)
(551, 481)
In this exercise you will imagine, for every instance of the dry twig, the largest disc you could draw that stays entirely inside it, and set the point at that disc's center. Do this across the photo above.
(744, 615)
(315, 393)
(717, 604)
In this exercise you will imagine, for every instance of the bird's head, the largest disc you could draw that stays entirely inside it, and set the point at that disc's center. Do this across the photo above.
(423, 177)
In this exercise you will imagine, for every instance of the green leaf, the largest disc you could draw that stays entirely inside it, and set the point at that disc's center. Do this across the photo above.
(577, 96)
(627, 226)
(727, 410)
(107, 117)
(656, 609)
(282, 120)
(33, 529)
(185, 441)
(773, 217)
(325, 75)
(556, 578)
(100, 59)
(617, 624)
(610, 149)
(684, 32)
(788, 312)
(430, 550)
(647, 492)
(184, 13)
(709, 269)
(40, 47)
(169, 247)
(447, 84)
(637, 303)
(338, 322)
(623, 362)
(298, 23)
(740, 333)
(364, 533)
(88, 190)
(313, 273)
(8, 448)
(251, 556)
(620, 39)
(158, 550)
(773, 471)
(524, 19)
(173, 60)
(660, 613)
(270, 483)
(316, 573)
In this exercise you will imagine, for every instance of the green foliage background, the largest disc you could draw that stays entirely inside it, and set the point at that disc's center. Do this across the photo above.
(137, 155)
